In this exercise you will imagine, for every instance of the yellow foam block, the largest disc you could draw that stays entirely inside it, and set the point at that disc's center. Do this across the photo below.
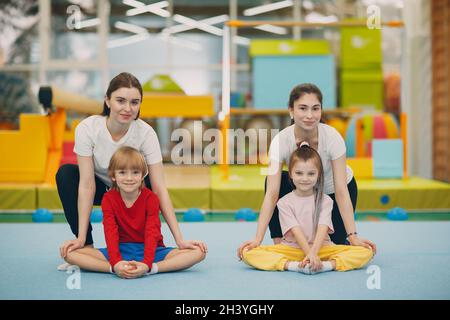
(24, 152)
(69, 135)
(188, 186)
(17, 196)
(362, 167)
(47, 197)
(176, 106)
(243, 188)
(413, 193)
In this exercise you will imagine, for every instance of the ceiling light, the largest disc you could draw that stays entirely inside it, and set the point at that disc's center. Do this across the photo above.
(267, 7)
(130, 27)
(183, 27)
(140, 8)
(197, 24)
(128, 40)
(272, 29)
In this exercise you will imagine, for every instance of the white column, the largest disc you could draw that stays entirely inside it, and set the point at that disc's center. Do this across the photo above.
(44, 39)
(416, 82)
(233, 45)
(103, 13)
(297, 17)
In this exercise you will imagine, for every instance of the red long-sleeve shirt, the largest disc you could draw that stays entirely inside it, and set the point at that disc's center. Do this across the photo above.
(140, 223)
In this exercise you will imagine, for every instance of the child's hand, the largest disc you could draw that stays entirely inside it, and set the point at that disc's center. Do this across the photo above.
(313, 261)
(137, 269)
(192, 244)
(123, 269)
(247, 245)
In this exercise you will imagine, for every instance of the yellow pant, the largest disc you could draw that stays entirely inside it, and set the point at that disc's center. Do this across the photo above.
(274, 257)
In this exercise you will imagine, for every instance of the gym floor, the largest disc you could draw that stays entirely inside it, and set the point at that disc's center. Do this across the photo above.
(412, 262)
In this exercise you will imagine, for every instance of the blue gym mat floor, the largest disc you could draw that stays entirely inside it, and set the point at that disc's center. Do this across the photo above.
(413, 261)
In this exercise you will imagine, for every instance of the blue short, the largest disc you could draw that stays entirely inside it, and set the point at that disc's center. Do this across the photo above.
(135, 251)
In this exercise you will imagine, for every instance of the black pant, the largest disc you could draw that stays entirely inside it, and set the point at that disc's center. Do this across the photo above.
(67, 182)
(339, 236)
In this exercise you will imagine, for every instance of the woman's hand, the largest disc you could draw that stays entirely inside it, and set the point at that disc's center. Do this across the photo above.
(313, 260)
(70, 245)
(247, 245)
(355, 241)
(192, 244)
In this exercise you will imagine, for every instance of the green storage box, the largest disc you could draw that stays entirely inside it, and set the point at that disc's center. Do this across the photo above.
(360, 48)
(362, 89)
(289, 47)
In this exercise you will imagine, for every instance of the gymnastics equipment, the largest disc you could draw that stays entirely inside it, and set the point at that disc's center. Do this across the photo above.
(96, 215)
(397, 214)
(224, 113)
(275, 59)
(365, 127)
(384, 199)
(193, 215)
(387, 158)
(35, 151)
(42, 215)
(245, 214)
(339, 124)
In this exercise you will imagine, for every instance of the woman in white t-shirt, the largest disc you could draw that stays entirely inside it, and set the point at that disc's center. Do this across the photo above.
(96, 139)
(305, 109)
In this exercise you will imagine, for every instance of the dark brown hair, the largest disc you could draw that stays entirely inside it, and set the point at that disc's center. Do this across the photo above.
(305, 88)
(122, 80)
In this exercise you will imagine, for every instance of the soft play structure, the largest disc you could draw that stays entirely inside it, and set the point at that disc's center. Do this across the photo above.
(32, 154)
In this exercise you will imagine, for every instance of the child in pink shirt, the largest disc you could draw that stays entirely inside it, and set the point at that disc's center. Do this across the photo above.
(305, 218)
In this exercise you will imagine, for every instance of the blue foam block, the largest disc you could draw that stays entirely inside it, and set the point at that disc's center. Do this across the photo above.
(387, 157)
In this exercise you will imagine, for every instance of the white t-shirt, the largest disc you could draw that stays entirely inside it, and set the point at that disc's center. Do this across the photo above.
(331, 147)
(92, 139)
(295, 210)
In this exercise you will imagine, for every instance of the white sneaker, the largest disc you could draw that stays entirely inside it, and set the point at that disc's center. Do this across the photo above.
(64, 266)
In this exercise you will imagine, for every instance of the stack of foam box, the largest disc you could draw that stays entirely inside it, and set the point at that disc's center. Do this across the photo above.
(279, 65)
(361, 75)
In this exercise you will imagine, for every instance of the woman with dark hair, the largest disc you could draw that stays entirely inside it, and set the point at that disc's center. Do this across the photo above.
(305, 109)
(96, 139)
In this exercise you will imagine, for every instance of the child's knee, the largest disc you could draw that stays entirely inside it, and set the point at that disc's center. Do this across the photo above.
(200, 253)
(368, 252)
(246, 255)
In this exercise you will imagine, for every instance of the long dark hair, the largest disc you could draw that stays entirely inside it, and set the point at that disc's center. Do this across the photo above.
(299, 90)
(122, 80)
(305, 153)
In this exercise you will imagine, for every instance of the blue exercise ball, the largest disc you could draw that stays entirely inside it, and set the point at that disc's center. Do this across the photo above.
(384, 199)
(194, 215)
(397, 214)
(42, 215)
(96, 215)
(245, 214)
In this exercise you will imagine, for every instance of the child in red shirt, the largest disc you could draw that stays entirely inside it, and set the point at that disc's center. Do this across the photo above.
(132, 227)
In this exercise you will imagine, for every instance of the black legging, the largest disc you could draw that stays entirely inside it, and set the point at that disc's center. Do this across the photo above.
(339, 236)
(67, 182)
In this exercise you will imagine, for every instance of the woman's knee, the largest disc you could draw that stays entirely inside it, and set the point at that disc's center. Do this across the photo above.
(71, 257)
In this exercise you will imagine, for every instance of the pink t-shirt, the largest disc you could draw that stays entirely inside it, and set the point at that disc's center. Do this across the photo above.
(295, 210)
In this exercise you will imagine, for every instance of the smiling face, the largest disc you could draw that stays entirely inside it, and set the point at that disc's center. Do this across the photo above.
(128, 180)
(304, 175)
(306, 111)
(124, 105)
